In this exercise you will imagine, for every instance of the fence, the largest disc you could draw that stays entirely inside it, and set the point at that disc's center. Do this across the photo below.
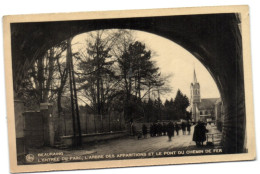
(93, 123)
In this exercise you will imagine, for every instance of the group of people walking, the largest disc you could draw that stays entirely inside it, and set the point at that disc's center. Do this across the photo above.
(158, 129)
(163, 129)
(172, 127)
(169, 129)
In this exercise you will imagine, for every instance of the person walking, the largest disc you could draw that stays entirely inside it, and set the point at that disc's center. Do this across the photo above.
(144, 130)
(188, 128)
(199, 135)
(155, 129)
(159, 129)
(177, 128)
(170, 130)
(151, 130)
(183, 128)
(164, 128)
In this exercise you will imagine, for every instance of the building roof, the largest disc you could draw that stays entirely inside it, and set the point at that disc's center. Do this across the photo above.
(207, 103)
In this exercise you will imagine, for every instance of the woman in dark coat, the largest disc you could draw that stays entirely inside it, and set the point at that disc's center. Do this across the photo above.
(188, 127)
(170, 130)
(164, 128)
(159, 129)
(155, 129)
(177, 128)
(144, 130)
(151, 130)
(199, 135)
(183, 128)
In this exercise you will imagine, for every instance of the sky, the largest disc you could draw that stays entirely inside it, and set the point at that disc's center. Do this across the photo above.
(173, 59)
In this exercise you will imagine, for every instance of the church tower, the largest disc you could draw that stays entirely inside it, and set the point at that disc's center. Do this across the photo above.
(195, 98)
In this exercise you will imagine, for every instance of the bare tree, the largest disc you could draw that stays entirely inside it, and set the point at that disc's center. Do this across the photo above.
(38, 86)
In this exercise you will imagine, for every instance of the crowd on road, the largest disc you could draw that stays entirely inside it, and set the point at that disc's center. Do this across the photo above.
(163, 129)
(171, 129)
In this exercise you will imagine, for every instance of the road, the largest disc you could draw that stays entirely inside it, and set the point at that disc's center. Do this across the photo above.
(150, 144)
(126, 145)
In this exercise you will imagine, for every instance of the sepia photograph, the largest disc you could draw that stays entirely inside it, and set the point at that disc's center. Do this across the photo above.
(128, 88)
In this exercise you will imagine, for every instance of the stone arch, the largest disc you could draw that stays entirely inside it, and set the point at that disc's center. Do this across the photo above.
(214, 39)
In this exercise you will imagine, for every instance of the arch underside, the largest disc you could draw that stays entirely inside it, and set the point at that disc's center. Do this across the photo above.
(214, 39)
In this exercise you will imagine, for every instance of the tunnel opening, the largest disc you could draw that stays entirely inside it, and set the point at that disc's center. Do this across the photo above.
(215, 40)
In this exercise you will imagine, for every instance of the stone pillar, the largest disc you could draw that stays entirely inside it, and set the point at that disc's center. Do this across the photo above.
(19, 126)
(48, 123)
(33, 129)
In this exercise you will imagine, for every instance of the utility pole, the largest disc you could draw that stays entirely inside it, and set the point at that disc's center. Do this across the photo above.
(77, 140)
(69, 57)
(159, 104)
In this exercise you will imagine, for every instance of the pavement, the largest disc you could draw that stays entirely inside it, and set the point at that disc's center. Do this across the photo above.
(154, 144)
(131, 146)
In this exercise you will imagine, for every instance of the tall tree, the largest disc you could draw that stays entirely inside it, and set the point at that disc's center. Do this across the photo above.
(170, 109)
(96, 70)
(138, 72)
(137, 68)
(181, 102)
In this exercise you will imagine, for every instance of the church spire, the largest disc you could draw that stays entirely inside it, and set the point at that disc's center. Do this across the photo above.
(194, 77)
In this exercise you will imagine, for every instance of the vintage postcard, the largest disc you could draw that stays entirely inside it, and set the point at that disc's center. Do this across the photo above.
(128, 88)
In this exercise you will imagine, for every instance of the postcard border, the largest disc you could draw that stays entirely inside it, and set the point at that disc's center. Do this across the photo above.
(250, 131)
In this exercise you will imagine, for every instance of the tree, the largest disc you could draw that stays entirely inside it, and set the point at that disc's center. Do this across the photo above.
(169, 109)
(139, 73)
(62, 75)
(181, 102)
(39, 84)
(149, 111)
(137, 68)
(96, 72)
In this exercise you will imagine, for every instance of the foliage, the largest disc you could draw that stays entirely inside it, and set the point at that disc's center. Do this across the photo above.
(113, 71)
